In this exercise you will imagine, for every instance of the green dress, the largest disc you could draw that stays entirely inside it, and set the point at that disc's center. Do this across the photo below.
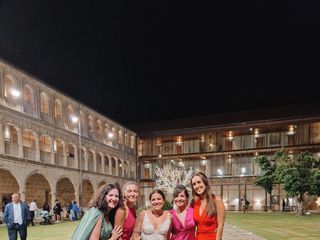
(87, 224)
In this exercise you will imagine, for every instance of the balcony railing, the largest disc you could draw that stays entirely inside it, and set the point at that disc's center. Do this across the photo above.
(29, 153)
(59, 159)
(12, 149)
(71, 162)
(45, 157)
(45, 117)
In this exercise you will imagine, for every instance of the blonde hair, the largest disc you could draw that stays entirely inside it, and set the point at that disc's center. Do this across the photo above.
(125, 186)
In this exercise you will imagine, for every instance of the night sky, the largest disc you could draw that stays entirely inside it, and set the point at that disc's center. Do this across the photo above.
(141, 61)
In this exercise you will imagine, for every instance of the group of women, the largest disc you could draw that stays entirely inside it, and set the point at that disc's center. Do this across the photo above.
(113, 217)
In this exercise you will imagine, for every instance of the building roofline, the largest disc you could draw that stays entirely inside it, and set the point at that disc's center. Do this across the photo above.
(231, 121)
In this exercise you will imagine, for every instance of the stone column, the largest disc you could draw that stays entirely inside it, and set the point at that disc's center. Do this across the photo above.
(76, 157)
(117, 167)
(20, 143)
(85, 160)
(65, 159)
(38, 159)
(2, 148)
(94, 161)
(129, 169)
(52, 156)
(53, 199)
(102, 163)
(122, 168)
(110, 166)
(22, 190)
(77, 197)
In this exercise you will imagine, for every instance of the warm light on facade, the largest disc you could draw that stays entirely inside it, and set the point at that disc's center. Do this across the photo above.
(15, 92)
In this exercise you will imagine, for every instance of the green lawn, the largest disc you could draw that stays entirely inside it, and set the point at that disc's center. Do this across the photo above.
(278, 226)
(58, 231)
(272, 226)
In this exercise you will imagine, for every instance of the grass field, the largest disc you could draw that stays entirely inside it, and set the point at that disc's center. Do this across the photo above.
(57, 231)
(272, 226)
(278, 226)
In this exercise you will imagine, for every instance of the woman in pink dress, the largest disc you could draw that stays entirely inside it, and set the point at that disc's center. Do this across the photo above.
(126, 216)
(182, 223)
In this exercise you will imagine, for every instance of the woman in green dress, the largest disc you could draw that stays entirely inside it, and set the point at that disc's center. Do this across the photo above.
(95, 224)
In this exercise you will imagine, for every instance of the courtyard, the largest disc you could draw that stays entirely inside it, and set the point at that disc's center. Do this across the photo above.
(272, 226)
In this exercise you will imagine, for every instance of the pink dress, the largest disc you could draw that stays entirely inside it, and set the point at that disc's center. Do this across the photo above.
(182, 231)
(128, 224)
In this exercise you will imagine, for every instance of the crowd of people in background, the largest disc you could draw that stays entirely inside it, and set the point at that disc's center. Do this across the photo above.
(112, 214)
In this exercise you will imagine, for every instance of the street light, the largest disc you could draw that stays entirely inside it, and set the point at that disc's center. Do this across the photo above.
(15, 93)
(76, 119)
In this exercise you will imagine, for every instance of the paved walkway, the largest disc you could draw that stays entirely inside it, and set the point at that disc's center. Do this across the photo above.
(234, 233)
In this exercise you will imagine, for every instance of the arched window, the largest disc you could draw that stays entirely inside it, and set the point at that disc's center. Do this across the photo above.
(8, 86)
(57, 110)
(28, 139)
(11, 134)
(90, 123)
(10, 90)
(99, 128)
(44, 103)
(70, 113)
(120, 137)
(28, 99)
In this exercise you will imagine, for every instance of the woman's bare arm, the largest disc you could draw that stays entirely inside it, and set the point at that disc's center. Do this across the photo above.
(95, 234)
(138, 227)
(120, 217)
(221, 213)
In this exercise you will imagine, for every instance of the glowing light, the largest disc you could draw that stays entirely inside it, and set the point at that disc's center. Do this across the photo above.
(15, 93)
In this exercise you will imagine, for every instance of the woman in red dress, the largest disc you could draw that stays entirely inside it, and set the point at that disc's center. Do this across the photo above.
(209, 210)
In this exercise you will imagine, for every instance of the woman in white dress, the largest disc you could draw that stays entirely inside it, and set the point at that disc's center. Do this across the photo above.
(154, 223)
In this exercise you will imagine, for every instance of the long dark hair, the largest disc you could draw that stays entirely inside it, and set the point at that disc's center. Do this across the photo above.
(178, 189)
(210, 197)
(159, 192)
(99, 201)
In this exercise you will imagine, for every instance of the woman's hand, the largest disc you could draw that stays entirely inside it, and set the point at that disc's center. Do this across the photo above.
(116, 233)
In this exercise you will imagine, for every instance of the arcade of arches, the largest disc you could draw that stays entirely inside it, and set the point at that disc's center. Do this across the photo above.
(42, 187)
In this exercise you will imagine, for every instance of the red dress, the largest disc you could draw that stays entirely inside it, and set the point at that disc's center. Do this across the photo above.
(206, 226)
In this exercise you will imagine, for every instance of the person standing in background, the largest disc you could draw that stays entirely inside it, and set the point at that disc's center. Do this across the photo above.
(75, 210)
(32, 208)
(283, 205)
(46, 207)
(57, 211)
(16, 218)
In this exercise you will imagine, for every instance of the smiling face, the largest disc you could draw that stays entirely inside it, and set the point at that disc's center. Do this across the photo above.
(131, 193)
(112, 198)
(181, 200)
(198, 185)
(157, 201)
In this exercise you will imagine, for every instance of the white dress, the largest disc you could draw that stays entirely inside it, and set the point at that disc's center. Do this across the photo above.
(149, 233)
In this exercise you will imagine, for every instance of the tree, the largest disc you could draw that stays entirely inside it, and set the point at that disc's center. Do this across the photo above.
(168, 178)
(300, 176)
(267, 178)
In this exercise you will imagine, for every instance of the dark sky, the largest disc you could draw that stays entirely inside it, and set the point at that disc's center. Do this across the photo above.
(139, 61)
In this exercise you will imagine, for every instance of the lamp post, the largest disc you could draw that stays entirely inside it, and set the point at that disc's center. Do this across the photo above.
(76, 119)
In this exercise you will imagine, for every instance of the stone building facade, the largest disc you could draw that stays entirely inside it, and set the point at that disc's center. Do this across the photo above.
(41, 133)
(225, 146)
